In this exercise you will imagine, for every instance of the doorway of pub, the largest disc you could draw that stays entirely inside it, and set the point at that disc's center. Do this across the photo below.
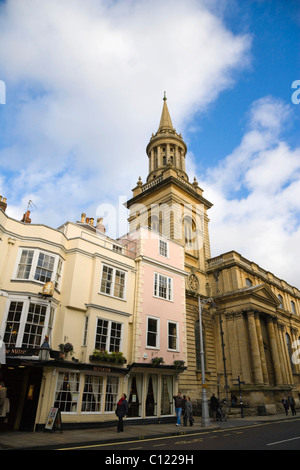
(22, 383)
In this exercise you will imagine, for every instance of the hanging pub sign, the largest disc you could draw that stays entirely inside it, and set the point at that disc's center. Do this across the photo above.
(54, 420)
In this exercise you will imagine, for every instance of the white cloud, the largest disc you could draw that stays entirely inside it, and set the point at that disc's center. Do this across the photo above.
(256, 195)
(85, 82)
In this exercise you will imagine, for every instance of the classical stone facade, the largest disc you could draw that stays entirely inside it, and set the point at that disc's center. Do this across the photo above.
(250, 337)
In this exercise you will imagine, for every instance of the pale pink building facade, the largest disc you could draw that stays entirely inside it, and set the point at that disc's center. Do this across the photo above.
(159, 336)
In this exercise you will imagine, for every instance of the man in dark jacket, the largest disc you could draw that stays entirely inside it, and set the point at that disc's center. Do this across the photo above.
(214, 403)
(178, 407)
(121, 411)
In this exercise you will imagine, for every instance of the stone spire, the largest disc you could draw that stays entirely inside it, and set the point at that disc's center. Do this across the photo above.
(165, 120)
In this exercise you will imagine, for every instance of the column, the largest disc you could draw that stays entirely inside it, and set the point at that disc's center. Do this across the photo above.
(243, 350)
(255, 353)
(274, 350)
(261, 350)
(283, 352)
(233, 345)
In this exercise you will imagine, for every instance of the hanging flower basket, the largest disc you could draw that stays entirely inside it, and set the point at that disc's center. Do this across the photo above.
(156, 361)
(66, 348)
(179, 365)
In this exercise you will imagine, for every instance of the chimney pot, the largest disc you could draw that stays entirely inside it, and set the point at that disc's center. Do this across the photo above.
(100, 225)
(3, 204)
(26, 219)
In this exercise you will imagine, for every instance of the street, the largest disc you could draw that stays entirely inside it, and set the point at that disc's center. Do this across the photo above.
(278, 435)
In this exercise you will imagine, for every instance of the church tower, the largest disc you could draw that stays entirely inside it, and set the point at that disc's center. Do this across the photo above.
(169, 203)
(175, 208)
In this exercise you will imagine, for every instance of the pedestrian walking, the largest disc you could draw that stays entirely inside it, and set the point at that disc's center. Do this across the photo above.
(121, 411)
(178, 407)
(291, 403)
(188, 412)
(214, 403)
(285, 405)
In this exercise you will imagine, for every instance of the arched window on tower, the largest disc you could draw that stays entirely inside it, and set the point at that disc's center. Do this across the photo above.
(189, 233)
(154, 223)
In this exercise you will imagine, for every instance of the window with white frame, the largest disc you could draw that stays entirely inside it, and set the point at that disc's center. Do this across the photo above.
(92, 393)
(27, 322)
(108, 335)
(163, 248)
(67, 392)
(163, 286)
(37, 265)
(173, 336)
(152, 334)
(113, 282)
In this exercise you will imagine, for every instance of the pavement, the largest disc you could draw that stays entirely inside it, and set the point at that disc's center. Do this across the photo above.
(16, 440)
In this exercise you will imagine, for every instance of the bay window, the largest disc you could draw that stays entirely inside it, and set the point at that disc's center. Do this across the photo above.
(40, 266)
(27, 321)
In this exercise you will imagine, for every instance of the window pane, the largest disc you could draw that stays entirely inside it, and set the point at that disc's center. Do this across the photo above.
(152, 332)
(162, 291)
(106, 281)
(44, 268)
(67, 391)
(25, 264)
(111, 395)
(34, 326)
(92, 393)
(13, 323)
(115, 336)
(119, 284)
(101, 334)
(163, 248)
(172, 336)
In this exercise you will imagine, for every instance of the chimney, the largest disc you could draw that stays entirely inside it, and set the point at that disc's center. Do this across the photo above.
(3, 204)
(83, 218)
(91, 221)
(26, 219)
(100, 225)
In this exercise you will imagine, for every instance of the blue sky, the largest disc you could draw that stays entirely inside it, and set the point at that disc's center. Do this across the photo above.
(84, 88)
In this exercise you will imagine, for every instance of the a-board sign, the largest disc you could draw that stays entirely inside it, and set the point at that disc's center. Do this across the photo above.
(54, 420)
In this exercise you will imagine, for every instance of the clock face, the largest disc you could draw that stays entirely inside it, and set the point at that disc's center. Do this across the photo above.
(193, 282)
